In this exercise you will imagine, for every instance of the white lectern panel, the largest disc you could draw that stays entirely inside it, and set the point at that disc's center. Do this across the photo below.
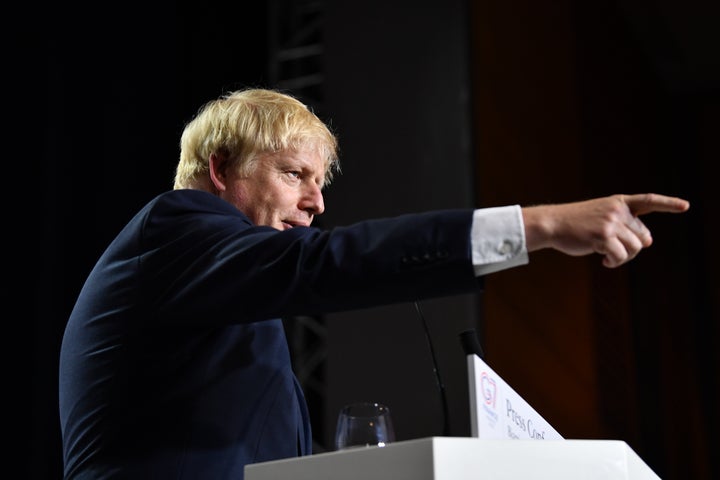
(460, 458)
(497, 411)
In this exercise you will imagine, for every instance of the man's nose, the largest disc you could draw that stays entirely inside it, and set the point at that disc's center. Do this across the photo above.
(312, 201)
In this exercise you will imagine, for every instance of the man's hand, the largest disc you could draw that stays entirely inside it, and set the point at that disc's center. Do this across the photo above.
(609, 226)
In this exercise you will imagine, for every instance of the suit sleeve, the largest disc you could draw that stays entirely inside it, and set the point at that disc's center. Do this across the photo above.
(205, 264)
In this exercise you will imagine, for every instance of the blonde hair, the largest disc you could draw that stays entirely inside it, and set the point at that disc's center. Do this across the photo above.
(243, 124)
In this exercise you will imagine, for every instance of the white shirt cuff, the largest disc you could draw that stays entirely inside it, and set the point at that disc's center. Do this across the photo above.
(497, 237)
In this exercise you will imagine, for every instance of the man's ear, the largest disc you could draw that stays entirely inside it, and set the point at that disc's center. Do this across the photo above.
(218, 167)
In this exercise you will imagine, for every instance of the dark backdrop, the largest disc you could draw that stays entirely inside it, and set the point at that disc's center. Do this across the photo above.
(99, 95)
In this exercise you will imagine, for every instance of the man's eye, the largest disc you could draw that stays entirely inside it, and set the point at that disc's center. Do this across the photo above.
(294, 174)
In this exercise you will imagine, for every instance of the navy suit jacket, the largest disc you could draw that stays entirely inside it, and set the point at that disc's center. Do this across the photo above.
(174, 362)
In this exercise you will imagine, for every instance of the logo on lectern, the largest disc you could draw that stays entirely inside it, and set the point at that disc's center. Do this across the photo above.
(489, 389)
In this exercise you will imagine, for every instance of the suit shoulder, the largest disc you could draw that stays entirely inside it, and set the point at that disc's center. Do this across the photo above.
(187, 201)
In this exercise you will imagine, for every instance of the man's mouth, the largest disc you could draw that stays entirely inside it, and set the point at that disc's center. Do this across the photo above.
(288, 225)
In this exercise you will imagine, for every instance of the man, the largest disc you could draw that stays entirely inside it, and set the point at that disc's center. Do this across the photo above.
(174, 362)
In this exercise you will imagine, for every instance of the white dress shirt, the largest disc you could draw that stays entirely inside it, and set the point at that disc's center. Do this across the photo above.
(497, 237)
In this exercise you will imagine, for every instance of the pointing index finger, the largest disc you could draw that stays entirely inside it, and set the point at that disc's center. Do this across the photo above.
(642, 203)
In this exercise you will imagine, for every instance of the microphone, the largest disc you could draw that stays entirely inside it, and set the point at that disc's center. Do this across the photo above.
(436, 371)
(470, 343)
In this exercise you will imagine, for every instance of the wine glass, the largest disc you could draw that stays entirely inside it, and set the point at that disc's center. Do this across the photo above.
(364, 424)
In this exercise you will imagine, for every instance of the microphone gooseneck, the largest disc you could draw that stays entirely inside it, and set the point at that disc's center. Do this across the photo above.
(436, 371)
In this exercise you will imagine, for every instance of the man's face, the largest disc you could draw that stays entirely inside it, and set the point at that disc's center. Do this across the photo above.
(283, 191)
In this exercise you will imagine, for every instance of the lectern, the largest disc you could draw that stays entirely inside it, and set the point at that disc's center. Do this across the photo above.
(510, 441)
(461, 458)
